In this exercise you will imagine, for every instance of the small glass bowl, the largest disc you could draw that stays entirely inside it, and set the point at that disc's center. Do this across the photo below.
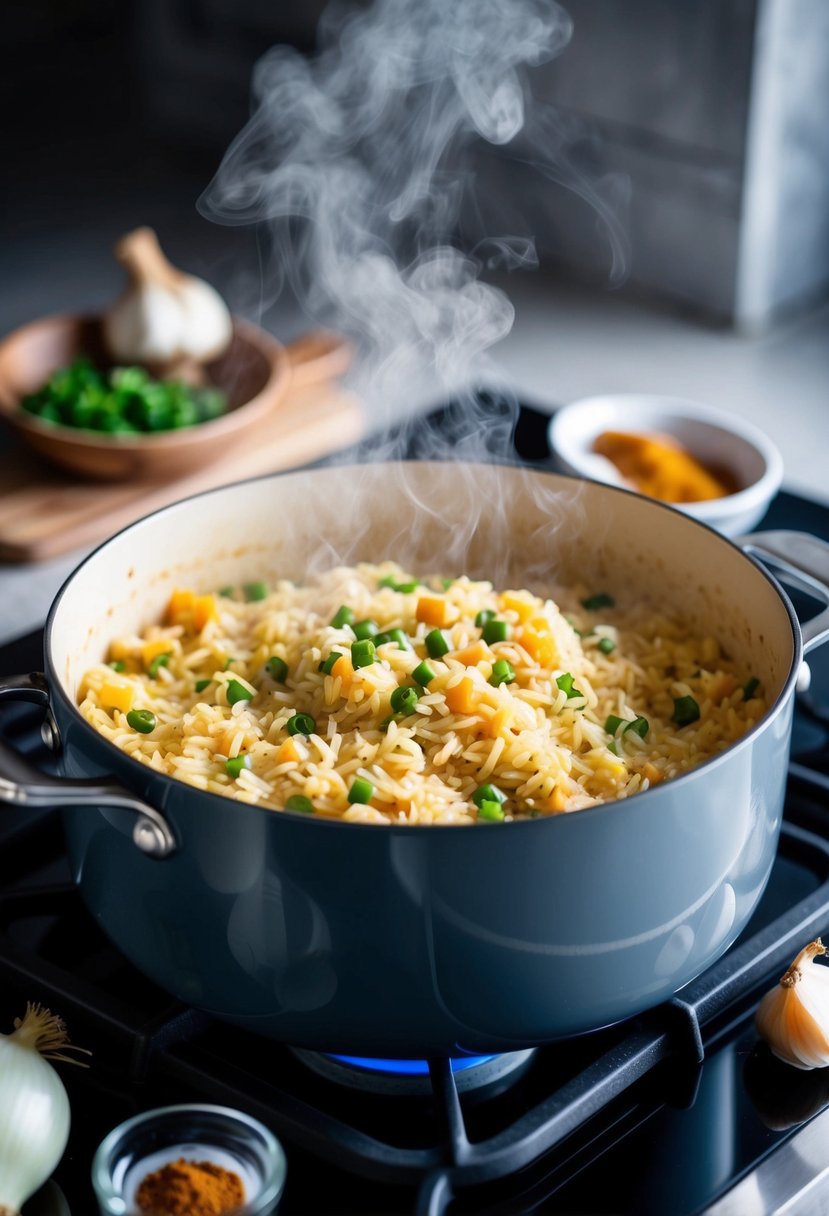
(226, 1137)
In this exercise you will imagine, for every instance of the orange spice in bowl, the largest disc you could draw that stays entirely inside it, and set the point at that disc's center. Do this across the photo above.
(660, 467)
(190, 1188)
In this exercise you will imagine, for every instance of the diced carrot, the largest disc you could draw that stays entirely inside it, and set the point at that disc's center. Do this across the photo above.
(651, 772)
(470, 656)
(557, 801)
(498, 723)
(180, 607)
(287, 751)
(539, 646)
(204, 610)
(461, 697)
(117, 696)
(119, 650)
(512, 601)
(431, 609)
(151, 650)
(343, 670)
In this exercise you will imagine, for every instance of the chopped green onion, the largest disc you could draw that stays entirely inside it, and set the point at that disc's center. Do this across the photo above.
(495, 631)
(612, 724)
(600, 600)
(141, 720)
(606, 645)
(613, 746)
(202, 684)
(566, 684)
(446, 583)
(160, 660)
(423, 674)
(404, 699)
(750, 687)
(277, 668)
(640, 726)
(234, 767)
(387, 581)
(343, 616)
(392, 635)
(255, 591)
(437, 644)
(686, 711)
(118, 665)
(226, 592)
(503, 672)
(486, 614)
(488, 793)
(327, 665)
(228, 661)
(298, 802)
(363, 653)
(492, 811)
(365, 629)
(237, 692)
(361, 791)
(407, 588)
(384, 725)
(300, 724)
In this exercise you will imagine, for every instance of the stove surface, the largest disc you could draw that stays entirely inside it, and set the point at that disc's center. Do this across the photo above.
(671, 1112)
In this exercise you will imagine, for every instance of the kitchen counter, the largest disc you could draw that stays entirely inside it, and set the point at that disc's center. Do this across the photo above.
(570, 342)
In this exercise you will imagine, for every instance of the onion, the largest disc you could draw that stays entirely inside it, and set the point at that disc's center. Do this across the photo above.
(34, 1107)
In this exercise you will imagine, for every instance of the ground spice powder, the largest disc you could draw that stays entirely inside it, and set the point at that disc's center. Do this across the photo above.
(190, 1188)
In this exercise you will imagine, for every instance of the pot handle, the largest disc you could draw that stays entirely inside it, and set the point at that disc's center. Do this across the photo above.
(24, 785)
(803, 561)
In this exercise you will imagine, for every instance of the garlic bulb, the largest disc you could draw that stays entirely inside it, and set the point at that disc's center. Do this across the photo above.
(163, 315)
(794, 1017)
(34, 1107)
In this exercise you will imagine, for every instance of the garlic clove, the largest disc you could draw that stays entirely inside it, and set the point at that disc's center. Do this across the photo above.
(793, 1017)
(163, 315)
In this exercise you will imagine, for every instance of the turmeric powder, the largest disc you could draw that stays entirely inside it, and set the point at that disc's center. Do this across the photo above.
(190, 1188)
(660, 467)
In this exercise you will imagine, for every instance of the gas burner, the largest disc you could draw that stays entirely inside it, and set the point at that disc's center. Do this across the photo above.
(485, 1076)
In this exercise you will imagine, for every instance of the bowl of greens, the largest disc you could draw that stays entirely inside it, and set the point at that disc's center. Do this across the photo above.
(61, 391)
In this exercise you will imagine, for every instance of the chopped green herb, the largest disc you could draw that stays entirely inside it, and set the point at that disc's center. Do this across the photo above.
(234, 766)
(363, 653)
(423, 674)
(327, 665)
(230, 659)
(750, 687)
(298, 802)
(566, 684)
(227, 592)
(606, 645)
(237, 692)
(141, 720)
(495, 631)
(601, 600)
(503, 672)
(492, 811)
(408, 587)
(387, 581)
(118, 665)
(488, 793)
(404, 699)
(365, 629)
(277, 669)
(640, 726)
(202, 684)
(361, 791)
(446, 583)
(300, 724)
(486, 614)
(437, 644)
(343, 616)
(160, 660)
(612, 723)
(686, 711)
(255, 591)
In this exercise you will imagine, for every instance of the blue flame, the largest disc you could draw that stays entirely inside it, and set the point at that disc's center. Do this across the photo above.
(406, 1068)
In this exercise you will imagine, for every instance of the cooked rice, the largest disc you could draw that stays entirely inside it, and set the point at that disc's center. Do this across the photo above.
(547, 752)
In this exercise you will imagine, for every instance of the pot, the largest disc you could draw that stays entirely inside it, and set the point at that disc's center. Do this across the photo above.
(395, 940)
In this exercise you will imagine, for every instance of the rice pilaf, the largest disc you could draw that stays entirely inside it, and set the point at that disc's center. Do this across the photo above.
(517, 706)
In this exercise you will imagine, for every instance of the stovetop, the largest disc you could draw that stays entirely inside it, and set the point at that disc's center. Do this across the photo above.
(666, 1113)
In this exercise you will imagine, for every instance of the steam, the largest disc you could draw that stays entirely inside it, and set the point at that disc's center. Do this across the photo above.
(356, 164)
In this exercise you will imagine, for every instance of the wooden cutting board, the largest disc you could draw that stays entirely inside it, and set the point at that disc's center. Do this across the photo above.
(44, 512)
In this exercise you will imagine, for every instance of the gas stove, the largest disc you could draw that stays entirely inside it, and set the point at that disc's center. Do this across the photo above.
(680, 1110)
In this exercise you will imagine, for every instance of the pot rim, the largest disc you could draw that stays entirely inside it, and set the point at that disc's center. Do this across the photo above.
(138, 772)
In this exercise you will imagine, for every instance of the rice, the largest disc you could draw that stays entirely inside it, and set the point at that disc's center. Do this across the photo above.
(538, 706)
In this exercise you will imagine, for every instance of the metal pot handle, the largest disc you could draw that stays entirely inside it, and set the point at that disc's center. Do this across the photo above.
(24, 785)
(803, 561)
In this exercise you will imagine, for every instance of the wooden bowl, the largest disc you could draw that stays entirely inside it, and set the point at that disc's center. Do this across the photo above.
(255, 373)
